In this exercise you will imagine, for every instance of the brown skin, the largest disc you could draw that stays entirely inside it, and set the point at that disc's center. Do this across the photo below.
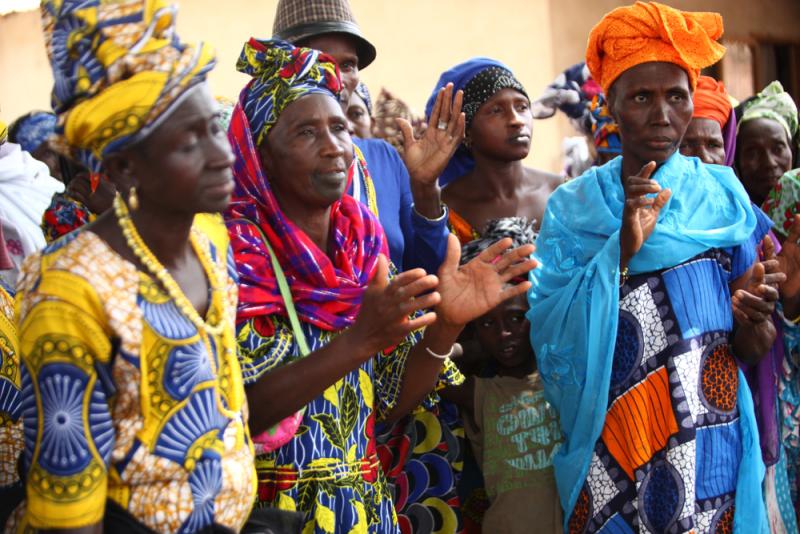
(424, 158)
(99, 200)
(500, 185)
(703, 140)
(310, 138)
(763, 155)
(788, 262)
(360, 120)
(182, 168)
(341, 47)
(49, 157)
(652, 104)
(504, 335)
(306, 155)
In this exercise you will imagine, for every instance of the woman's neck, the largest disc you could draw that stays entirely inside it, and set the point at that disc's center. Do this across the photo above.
(312, 220)
(498, 179)
(166, 234)
(520, 371)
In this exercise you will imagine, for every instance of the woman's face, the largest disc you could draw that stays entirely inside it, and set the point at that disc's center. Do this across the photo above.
(501, 128)
(307, 153)
(703, 139)
(185, 164)
(359, 117)
(652, 105)
(763, 155)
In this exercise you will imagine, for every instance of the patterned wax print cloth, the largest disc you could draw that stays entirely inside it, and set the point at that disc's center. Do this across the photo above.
(648, 394)
(668, 453)
(11, 440)
(124, 399)
(119, 69)
(64, 215)
(330, 469)
(775, 104)
(789, 413)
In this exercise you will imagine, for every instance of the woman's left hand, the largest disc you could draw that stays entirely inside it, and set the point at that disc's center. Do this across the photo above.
(479, 286)
(427, 157)
(755, 303)
(789, 259)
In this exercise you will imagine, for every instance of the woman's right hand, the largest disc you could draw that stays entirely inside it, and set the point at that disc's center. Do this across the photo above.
(383, 320)
(640, 214)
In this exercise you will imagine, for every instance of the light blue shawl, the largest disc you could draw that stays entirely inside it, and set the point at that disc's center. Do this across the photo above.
(574, 301)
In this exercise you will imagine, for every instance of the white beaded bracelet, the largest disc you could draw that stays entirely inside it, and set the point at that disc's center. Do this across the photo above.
(442, 356)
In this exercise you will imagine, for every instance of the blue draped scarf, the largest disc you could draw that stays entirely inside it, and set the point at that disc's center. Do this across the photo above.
(574, 301)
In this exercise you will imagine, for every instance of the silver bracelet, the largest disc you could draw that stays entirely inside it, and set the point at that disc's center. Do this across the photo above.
(442, 356)
(440, 218)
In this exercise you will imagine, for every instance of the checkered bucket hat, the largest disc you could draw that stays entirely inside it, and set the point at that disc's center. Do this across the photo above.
(297, 20)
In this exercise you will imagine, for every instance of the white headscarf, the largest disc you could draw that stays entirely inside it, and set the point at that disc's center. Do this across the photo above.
(26, 189)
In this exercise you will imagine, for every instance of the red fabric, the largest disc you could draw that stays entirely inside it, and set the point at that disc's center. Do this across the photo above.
(326, 290)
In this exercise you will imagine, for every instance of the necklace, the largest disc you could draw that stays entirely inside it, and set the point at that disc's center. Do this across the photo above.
(149, 260)
(225, 382)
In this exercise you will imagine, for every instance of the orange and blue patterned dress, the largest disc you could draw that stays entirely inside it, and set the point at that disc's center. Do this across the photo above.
(667, 458)
(123, 399)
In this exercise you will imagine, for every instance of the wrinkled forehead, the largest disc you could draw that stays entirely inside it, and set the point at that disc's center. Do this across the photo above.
(651, 76)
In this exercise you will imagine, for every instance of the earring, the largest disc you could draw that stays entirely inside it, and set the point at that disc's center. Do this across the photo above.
(133, 199)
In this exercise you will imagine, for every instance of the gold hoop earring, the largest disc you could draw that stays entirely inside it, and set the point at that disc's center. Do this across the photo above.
(133, 199)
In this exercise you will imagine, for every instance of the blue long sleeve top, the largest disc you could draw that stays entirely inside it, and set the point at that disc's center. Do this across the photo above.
(414, 241)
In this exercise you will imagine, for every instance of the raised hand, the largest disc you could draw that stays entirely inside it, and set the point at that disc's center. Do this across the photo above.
(640, 214)
(383, 319)
(426, 158)
(477, 287)
(774, 275)
(755, 303)
(789, 260)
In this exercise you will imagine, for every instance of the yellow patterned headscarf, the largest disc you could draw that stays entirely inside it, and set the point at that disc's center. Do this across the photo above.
(118, 68)
(3, 132)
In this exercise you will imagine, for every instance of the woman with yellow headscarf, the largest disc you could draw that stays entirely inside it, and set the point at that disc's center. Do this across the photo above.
(133, 406)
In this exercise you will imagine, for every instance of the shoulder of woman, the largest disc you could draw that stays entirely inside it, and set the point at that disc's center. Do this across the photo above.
(78, 269)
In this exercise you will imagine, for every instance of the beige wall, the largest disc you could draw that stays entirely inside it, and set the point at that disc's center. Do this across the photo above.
(416, 41)
(572, 20)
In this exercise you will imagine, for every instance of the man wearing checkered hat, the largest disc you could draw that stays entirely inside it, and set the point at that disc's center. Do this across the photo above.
(406, 192)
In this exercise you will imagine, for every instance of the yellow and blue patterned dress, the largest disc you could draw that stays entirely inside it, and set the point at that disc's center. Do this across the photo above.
(330, 469)
(10, 409)
(123, 399)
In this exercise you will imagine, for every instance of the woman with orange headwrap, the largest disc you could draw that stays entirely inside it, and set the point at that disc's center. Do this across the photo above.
(645, 263)
(711, 136)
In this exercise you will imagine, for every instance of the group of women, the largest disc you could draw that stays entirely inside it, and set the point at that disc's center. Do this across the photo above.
(251, 336)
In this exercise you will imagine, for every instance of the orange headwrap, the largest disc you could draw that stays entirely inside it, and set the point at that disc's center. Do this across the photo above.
(711, 101)
(647, 32)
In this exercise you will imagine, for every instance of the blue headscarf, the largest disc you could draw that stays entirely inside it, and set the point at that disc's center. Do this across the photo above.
(574, 299)
(363, 94)
(30, 131)
(462, 161)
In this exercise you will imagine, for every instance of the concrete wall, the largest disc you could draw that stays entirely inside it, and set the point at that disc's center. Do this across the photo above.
(416, 41)
(572, 20)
